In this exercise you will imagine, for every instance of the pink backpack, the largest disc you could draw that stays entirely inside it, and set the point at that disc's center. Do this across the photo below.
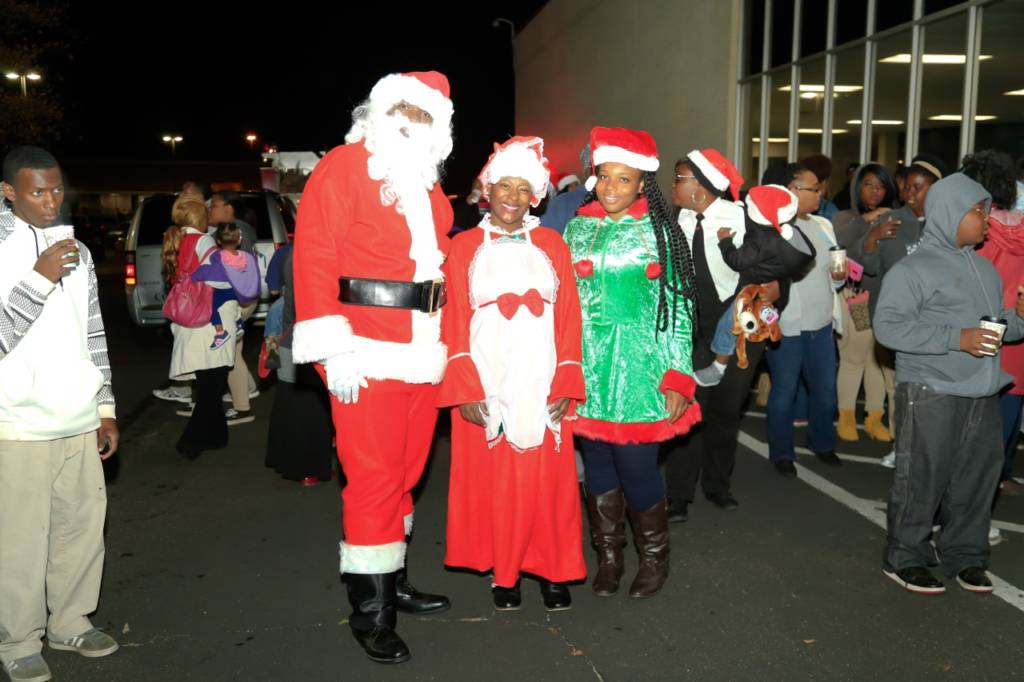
(189, 303)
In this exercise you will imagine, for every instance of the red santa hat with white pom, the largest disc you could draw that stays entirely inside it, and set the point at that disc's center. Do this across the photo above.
(519, 157)
(772, 205)
(634, 148)
(717, 170)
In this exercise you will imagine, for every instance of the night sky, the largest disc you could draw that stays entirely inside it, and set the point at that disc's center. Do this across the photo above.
(213, 72)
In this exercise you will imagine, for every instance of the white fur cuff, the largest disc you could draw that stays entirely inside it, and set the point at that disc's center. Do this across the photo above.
(319, 338)
(407, 520)
(371, 559)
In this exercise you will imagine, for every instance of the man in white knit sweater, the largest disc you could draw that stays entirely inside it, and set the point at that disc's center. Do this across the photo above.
(56, 424)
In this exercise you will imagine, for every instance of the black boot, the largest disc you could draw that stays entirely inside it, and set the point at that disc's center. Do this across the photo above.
(410, 600)
(556, 596)
(373, 616)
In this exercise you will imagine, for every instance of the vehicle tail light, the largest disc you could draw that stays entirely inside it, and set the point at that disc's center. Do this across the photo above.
(129, 269)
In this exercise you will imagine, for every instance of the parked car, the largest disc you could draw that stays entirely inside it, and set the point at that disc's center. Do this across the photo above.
(272, 216)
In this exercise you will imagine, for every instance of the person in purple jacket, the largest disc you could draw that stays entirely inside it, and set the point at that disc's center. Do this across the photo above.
(232, 273)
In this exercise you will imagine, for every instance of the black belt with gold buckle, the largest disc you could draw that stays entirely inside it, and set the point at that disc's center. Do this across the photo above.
(427, 297)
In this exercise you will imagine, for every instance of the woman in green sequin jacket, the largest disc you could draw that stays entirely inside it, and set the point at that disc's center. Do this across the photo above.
(637, 295)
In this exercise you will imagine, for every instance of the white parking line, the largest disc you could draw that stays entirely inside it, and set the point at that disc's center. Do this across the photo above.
(1009, 593)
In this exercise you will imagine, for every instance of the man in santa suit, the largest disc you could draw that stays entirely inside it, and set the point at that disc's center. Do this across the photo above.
(370, 241)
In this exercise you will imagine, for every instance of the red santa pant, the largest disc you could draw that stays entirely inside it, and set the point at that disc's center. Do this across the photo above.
(383, 443)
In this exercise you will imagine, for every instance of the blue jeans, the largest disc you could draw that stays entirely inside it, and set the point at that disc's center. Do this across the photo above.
(812, 357)
(275, 319)
(724, 341)
(1010, 406)
(220, 297)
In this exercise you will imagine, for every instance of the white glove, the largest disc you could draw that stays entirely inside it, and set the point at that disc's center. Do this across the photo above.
(343, 377)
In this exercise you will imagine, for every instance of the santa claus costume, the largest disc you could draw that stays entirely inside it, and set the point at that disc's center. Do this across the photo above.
(637, 296)
(512, 327)
(370, 241)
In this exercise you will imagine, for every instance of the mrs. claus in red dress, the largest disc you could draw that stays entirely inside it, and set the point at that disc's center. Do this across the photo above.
(512, 327)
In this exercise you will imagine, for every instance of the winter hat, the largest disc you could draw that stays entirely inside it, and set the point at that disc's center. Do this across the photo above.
(566, 180)
(634, 148)
(519, 157)
(717, 170)
(772, 205)
(427, 90)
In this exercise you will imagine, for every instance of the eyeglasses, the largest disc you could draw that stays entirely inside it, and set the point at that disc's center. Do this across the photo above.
(815, 190)
(680, 178)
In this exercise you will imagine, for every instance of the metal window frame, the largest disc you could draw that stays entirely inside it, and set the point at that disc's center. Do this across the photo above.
(974, 11)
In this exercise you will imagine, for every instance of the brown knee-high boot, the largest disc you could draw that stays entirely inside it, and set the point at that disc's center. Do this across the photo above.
(607, 513)
(650, 533)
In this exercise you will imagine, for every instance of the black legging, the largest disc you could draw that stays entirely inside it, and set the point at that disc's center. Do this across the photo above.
(207, 428)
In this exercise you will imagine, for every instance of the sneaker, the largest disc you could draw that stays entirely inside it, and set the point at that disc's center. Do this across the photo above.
(994, 536)
(916, 579)
(974, 579)
(253, 393)
(236, 417)
(709, 376)
(186, 412)
(889, 461)
(1011, 487)
(92, 644)
(219, 340)
(174, 394)
(678, 511)
(829, 458)
(28, 669)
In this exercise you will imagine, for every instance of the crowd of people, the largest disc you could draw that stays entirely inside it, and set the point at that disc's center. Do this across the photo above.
(569, 346)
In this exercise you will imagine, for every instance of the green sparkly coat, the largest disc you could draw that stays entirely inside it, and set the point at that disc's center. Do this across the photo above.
(627, 366)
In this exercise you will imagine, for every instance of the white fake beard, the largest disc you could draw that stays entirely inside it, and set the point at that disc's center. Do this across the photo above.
(404, 155)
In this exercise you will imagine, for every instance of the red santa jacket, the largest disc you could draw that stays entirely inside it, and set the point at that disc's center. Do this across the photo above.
(343, 230)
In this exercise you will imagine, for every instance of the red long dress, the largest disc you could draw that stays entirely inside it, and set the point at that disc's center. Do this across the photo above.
(512, 509)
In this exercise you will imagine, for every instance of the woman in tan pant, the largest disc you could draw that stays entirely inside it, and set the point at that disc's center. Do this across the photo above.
(860, 358)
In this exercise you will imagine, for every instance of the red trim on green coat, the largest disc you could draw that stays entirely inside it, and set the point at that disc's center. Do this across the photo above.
(637, 432)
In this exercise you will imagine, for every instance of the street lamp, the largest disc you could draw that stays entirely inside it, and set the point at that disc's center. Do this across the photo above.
(251, 139)
(24, 78)
(173, 140)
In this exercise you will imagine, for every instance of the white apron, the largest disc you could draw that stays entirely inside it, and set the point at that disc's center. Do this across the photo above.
(512, 288)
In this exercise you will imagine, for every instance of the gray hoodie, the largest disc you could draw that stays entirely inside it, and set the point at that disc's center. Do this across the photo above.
(933, 293)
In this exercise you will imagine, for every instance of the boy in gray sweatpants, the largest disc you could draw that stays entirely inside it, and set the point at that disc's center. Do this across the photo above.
(948, 377)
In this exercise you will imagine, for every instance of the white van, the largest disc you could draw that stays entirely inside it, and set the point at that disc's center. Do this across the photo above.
(272, 216)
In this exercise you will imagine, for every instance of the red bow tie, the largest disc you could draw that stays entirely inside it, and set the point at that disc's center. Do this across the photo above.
(508, 304)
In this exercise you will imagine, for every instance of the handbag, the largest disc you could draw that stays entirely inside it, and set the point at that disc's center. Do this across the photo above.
(189, 304)
(860, 313)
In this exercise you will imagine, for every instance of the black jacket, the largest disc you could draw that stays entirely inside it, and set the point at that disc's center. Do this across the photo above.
(766, 256)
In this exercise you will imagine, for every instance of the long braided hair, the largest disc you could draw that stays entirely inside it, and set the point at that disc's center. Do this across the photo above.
(677, 277)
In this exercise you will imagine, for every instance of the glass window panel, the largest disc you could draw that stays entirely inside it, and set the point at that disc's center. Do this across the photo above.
(936, 5)
(811, 103)
(892, 97)
(782, 32)
(848, 98)
(813, 28)
(751, 131)
(755, 35)
(889, 14)
(851, 20)
(778, 118)
(942, 87)
(1001, 38)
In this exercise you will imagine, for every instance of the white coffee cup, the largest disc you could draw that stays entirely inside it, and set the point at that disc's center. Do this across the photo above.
(993, 324)
(57, 233)
(837, 259)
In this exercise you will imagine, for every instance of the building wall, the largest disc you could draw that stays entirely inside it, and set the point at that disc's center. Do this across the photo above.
(665, 66)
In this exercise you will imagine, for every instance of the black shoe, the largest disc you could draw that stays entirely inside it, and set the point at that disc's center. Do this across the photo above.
(724, 501)
(188, 450)
(974, 579)
(410, 600)
(556, 596)
(678, 511)
(507, 598)
(916, 579)
(785, 467)
(373, 617)
(829, 458)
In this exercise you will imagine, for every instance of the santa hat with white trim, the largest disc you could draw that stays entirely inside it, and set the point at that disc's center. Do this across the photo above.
(774, 206)
(566, 180)
(519, 157)
(428, 90)
(634, 148)
(717, 170)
